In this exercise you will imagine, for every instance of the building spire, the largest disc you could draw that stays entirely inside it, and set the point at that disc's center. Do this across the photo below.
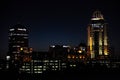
(97, 15)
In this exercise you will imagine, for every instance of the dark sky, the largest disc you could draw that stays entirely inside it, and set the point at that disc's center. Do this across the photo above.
(57, 21)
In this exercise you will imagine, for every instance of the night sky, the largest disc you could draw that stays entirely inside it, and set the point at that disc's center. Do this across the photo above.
(53, 22)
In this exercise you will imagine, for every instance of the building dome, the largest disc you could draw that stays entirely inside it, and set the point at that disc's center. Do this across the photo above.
(97, 16)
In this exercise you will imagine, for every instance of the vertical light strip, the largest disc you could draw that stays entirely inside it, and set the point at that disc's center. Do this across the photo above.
(91, 48)
(105, 42)
(100, 42)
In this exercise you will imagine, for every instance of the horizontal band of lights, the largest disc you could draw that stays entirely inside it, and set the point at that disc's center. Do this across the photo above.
(18, 34)
(64, 46)
(16, 45)
(12, 29)
(96, 18)
(20, 29)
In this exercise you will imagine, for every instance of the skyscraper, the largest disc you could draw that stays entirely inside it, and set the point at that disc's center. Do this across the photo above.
(97, 37)
(18, 39)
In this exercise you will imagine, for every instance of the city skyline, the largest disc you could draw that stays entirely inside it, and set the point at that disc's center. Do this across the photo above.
(56, 22)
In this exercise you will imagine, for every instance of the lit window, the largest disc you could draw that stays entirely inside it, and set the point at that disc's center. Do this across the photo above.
(80, 57)
(69, 56)
(74, 65)
(25, 37)
(44, 69)
(56, 66)
(51, 60)
(52, 46)
(73, 57)
(46, 61)
(63, 63)
(8, 57)
(12, 29)
(39, 69)
(21, 49)
(20, 29)
(16, 46)
(79, 51)
(56, 60)
(65, 46)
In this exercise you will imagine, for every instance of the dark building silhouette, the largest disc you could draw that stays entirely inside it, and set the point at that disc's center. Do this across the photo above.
(18, 40)
(59, 51)
(2, 64)
(18, 37)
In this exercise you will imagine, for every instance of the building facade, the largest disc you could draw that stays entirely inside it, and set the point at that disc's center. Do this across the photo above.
(41, 62)
(97, 37)
(18, 39)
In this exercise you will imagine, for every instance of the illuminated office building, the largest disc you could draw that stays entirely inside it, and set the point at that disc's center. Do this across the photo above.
(18, 39)
(97, 37)
(41, 62)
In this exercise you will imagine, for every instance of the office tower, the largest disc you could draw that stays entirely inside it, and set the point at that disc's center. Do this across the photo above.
(59, 51)
(18, 39)
(97, 37)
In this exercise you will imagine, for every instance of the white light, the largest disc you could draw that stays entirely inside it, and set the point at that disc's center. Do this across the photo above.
(7, 66)
(46, 60)
(22, 29)
(56, 60)
(83, 49)
(53, 46)
(8, 57)
(25, 37)
(65, 46)
(12, 29)
(96, 18)
(16, 46)
(79, 51)
(39, 71)
(15, 52)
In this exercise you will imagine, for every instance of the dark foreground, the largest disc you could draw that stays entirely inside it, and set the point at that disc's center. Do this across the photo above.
(96, 74)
